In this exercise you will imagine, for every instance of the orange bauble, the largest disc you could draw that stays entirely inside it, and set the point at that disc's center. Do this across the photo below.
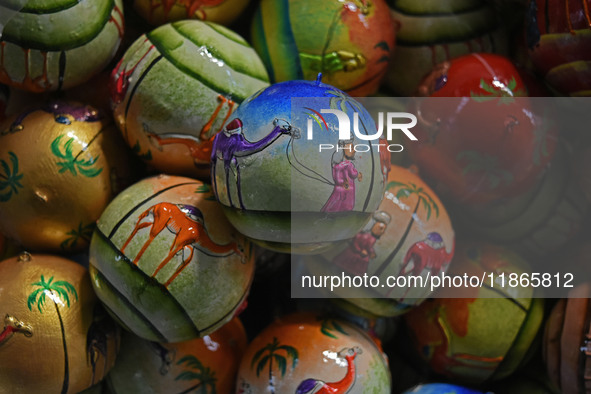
(302, 352)
(209, 363)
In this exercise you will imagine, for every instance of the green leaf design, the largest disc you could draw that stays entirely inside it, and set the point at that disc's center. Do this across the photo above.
(329, 325)
(72, 163)
(10, 179)
(83, 232)
(61, 288)
(340, 101)
(504, 93)
(204, 188)
(512, 84)
(187, 375)
(191, 362)
(262, 363)
(272, 352)
(281, 363)
(405, 190)
(486, 87)
(204, 376)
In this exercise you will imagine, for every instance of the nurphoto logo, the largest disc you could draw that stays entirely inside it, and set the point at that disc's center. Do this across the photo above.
(345, 130)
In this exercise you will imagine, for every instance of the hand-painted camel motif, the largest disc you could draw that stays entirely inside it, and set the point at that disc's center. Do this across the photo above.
(230, 144)
(200, 148)
(186, 223)
(427, 254)
(11, 326)
(316, 386)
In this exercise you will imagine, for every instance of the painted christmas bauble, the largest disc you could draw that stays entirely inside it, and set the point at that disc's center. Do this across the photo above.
(55, 336)
(284, 177)
(381, 329)
(60, 165)
(57, 44)
(558, 34)
(484, 141)
(487, 333)
(437, 31)
(350, 42)
(410, 235)
(208, 71)
(305, 354)
(537, 222)
(202, 365)
(441, 388)
(165, 261)
(567, 350)
(158, 12)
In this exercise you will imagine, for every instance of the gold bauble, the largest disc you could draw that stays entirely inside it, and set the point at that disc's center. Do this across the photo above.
(60, 165)
(54, 335)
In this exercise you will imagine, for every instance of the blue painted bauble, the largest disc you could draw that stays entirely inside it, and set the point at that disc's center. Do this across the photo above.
(284, 177)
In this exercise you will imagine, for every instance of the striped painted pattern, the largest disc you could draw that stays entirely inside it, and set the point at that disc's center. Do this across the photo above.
(435, 31)
(194, 304)
(39, 52)
(200, 49)
(539, 222)
(559, 39)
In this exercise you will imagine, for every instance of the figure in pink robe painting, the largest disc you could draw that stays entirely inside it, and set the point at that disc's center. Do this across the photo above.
(355, 258)
(344, 174)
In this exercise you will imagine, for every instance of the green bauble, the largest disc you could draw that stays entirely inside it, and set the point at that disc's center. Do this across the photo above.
(176, 86)
(482, 333)
(58, 44)
(166, 263)
(350, 43)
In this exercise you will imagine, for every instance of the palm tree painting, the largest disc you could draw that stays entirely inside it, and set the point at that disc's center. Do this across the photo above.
(274, 352)
(59, 293)
(204, 376)
(341, 99)
(69, 162)
(329, 326)
(504, 93)
(9, 178)
(83, 233)
(404, 191)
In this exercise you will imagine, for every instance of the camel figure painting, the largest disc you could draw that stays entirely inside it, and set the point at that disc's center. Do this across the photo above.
(199, 148)
(187, 224)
